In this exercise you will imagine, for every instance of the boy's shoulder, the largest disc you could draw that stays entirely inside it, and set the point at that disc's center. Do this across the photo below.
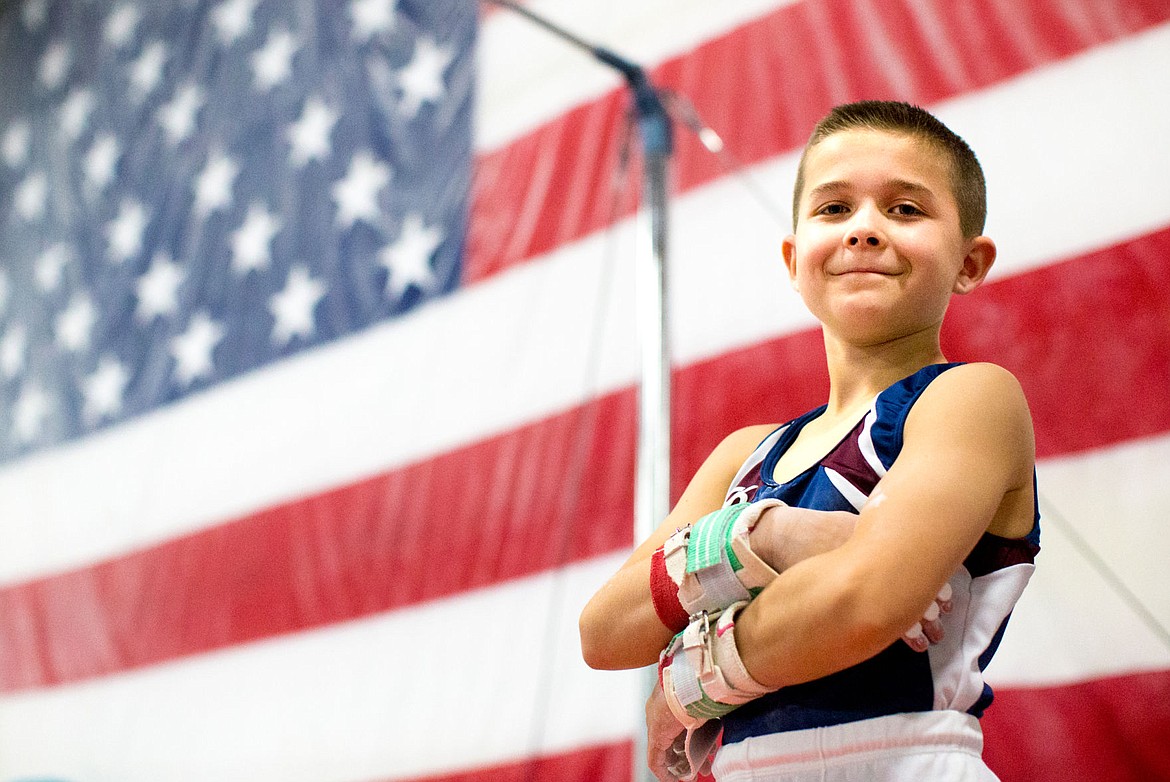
(980, 379)
(979, 404)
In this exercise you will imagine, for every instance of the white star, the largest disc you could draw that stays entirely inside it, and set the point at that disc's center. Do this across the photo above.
(273, 64)
(356, 195)
(121, 25)
(250, 242)
(31, 195)
(50, 264)
(422, 78)
(100, 162)
(371, 17)
(147, 71)
(309, 135)
(124, 232)
(293, 306)
(32, 407)
(192, 349)
(15, 145)
(104, 389)
(408, 259)
(13, 346)
(158, 289)
(35, 13)
(75, 111)
(55, 65)
(232, 19)
(178, 117)
(75, 324)
(213, 186)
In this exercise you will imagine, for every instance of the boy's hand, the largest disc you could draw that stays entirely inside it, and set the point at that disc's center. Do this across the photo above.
(664, 738)
(929, 629)
(666, 742)
(786, 535)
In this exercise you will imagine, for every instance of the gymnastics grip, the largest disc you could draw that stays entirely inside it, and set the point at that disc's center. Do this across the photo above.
(703, 678)
(709, 565)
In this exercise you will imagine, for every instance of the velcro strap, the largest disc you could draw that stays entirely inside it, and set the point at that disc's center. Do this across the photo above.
(679, 681)
(721, 568)
(725, 679)
(702, 674)
(686, 685)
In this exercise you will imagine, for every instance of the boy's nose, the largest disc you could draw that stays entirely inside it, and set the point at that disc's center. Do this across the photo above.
(863, 235)
(863, 229)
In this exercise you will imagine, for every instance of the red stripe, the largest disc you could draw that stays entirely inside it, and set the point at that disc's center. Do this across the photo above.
(372, 546)
(1089, 339)
(1112, 729)
(601, 763)
(554, 184)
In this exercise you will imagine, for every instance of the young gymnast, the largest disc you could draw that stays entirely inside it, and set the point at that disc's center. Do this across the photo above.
(777, 594)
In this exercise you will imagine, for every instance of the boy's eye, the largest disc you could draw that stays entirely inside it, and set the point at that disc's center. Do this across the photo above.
(832, 209)
(906, 210)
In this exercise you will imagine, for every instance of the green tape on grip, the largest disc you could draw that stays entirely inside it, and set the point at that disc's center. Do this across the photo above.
(709, 709)
(711, 538)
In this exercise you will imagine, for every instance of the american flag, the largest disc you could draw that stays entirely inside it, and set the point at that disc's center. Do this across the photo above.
(197, 190)
(317, 377)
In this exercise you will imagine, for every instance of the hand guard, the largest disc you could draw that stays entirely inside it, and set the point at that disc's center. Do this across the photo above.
(703, 678)
(709, 565)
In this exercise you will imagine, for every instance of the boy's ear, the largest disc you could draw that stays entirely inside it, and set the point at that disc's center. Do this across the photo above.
(788, 251)
(976, 264)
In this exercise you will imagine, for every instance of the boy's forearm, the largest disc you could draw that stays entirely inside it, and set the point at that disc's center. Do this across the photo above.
(620, 628)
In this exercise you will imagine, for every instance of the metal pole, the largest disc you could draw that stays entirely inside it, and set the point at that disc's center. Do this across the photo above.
(652, 487)
(652, 474)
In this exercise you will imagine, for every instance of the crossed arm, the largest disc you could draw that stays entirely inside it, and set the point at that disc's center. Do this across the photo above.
(849, 585)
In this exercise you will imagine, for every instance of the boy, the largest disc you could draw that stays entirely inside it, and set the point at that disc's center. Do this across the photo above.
(910, 489)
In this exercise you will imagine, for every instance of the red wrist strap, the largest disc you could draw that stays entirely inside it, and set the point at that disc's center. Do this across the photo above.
(664, 593)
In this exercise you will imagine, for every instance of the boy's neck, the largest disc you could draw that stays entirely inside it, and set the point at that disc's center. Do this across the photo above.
(858, 373)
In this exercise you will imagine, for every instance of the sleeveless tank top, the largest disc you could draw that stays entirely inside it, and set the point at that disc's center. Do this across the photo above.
(898, 679)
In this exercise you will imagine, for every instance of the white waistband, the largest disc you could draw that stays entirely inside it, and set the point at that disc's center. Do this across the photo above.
(914, 733)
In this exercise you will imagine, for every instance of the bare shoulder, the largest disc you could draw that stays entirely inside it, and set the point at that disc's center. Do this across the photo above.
(729, 455)
(981, 409)
(707, 488)
(981, 390)
(743, 441)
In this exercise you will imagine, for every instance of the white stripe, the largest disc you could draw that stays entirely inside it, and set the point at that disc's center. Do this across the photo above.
(1045, 184)
(492, 677)
(528, 76)
(866, 446)
(1072, 624)
(751, 462)
(853, 495)
(363, 700)
(334, 415)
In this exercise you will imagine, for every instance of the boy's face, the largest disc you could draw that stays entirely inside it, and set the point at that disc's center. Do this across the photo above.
(878, 250)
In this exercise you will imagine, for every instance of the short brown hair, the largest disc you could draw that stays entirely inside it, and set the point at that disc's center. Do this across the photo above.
(967, 182)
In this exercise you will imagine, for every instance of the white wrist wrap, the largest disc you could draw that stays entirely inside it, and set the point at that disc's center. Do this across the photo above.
(703, 678)
(712, 560)
(707, 676)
